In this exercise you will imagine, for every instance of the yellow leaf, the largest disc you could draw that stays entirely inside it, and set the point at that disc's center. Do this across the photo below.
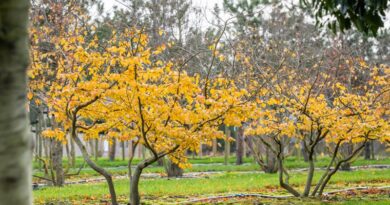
(29, 95)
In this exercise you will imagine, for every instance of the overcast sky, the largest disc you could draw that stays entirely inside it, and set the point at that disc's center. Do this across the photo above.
(208, 4)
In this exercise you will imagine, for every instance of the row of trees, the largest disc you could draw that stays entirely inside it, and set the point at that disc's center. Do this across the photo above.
(154, 79)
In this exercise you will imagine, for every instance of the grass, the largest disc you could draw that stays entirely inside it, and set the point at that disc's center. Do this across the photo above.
(223, 183)
(105, 162)
(204, 164)
(291, 162)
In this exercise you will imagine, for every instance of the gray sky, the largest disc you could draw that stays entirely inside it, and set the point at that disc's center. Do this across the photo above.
(206, 7)
(208, 4)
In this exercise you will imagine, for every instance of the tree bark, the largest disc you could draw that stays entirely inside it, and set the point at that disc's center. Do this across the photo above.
(172, 169)
(134, 180)
(101, 147)
(310, 176)
(72, 153)
(271, 165)
(328, 168)
(57, 153)
(227, 145)
(131, 149)
(134, 192)
(38, 141)
(132, 146)
(112, 151)
(372, 149)
(336, 168)
(281, 180)
(95, 167)
(200, 154)
(97, 149)
(68, 157)
(56, 158)
(304, 153)
(367, 152)
(91, 146)
(135, 198)
(240, 146)
(249, 144)
(215, 144)
(123, 150)
(347, 150)
(16, 143)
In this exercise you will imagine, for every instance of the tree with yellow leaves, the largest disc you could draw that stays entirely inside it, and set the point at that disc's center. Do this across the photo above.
(157, 104)
(322, 111)
(126, 91)
(49, 28)
(71, 77)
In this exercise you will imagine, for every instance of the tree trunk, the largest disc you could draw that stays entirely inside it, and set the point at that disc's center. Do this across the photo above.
(240, 146)
(90, 143)
(38, 142)
(134, 192)
(131, 146)
(68, 157)
(281, 180)
(131, 150)
(95, 167)
(16, 143)
(244, 146)
(72, 153)
(56, 157)
(172, 169)
(249, 144)
(337, 166)
(200, 154)
(123, 150)
(347, 149)
(328, 168)
(367, 151)
(304, 153)
(57, 153)
(215, 144)
(134, 180)
(271, 164)
(112, 151)
(101, 147)
(310, 176)
(227, 145)
(46, 145)
(97, 152)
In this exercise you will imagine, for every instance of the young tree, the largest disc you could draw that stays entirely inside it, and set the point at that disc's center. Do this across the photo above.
(157, 104)
(72, 79)
(308, 114)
